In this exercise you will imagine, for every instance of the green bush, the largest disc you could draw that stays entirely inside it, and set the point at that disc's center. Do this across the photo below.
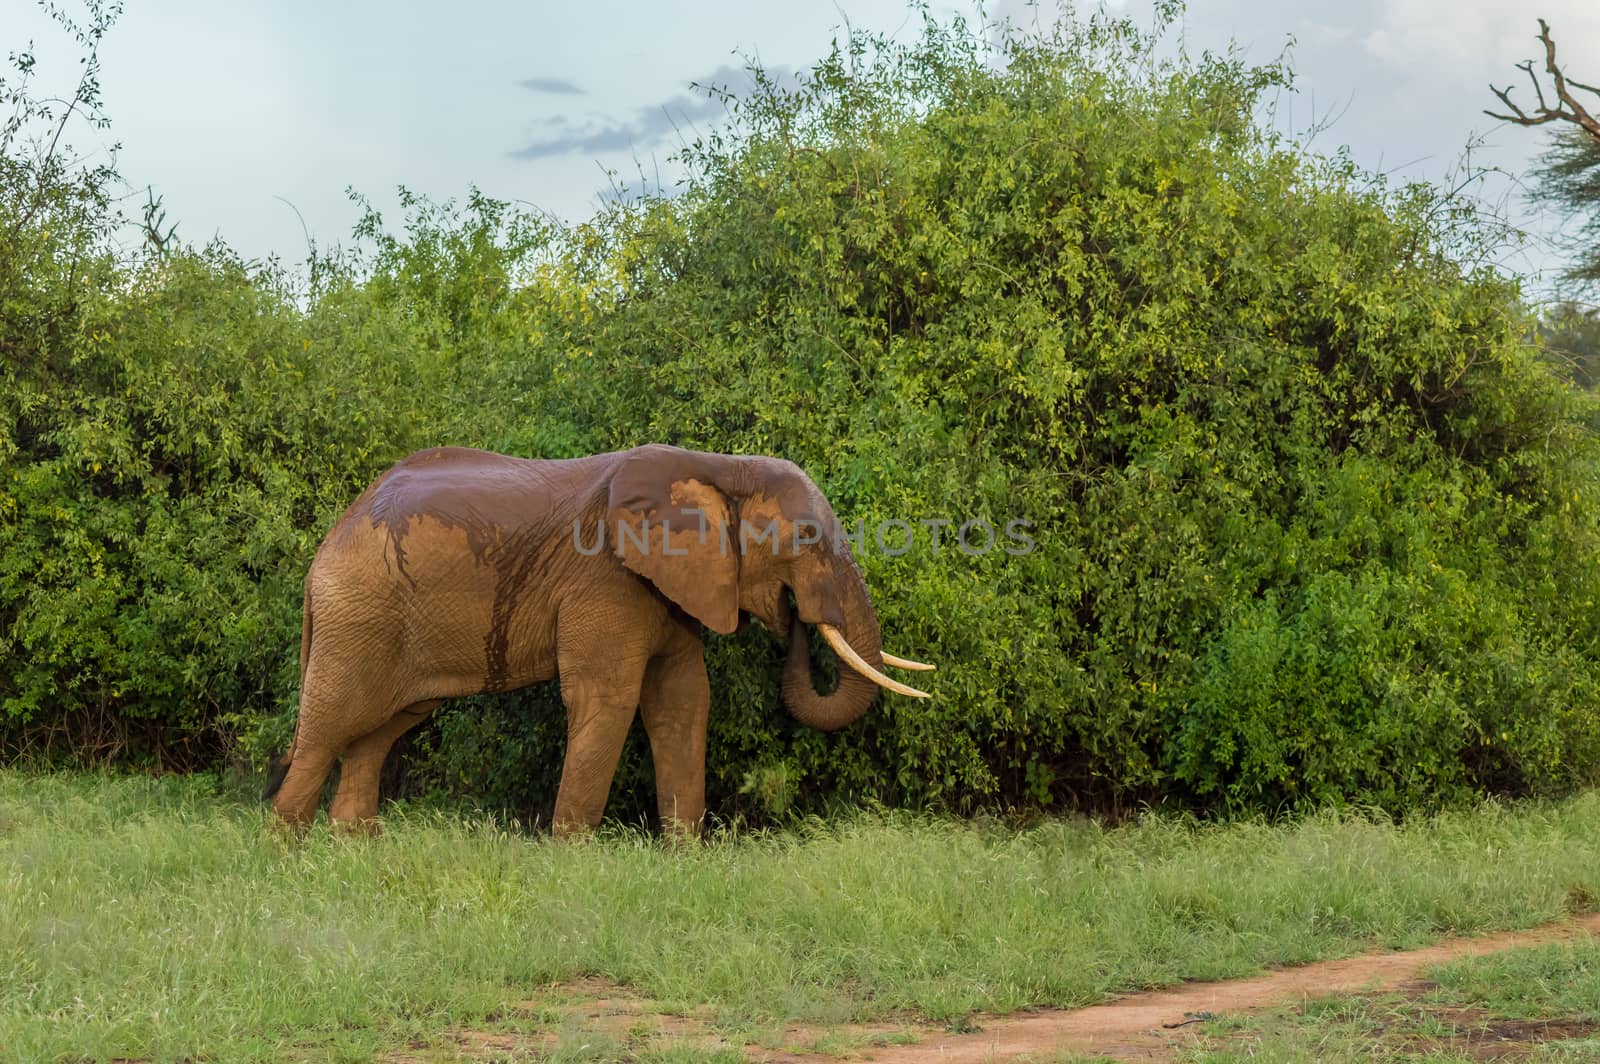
(172, 455)
(1314, 521)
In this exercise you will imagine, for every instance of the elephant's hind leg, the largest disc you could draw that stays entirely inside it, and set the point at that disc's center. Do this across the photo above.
(296, 800)
(355, 803)
(360, 767)
(337, 705)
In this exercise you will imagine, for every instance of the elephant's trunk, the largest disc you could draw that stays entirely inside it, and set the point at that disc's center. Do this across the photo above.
(855, 692)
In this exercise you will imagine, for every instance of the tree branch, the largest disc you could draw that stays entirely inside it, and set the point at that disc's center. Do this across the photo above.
(1567, 108)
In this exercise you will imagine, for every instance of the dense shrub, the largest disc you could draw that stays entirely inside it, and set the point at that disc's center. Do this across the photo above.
(172, 455)
(1314, 521)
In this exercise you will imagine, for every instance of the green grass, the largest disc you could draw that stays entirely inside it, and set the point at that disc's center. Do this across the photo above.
(1545, 997)
(1539, 982)
(156, 918)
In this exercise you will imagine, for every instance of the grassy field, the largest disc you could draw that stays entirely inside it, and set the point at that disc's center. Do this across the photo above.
(1541, 1002)
(158, 918)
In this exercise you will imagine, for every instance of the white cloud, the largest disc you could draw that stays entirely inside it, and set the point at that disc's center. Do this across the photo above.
(300, 98)
(1419, 37)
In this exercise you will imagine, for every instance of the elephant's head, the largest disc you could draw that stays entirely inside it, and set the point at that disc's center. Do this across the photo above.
(724, 535)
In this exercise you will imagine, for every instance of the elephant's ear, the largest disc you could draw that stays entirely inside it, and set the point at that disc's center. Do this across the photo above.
(677, 533)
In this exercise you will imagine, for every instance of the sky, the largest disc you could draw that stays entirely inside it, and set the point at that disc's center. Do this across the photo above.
(250, 119)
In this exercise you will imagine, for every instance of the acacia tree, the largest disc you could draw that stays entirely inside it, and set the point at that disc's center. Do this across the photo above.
(1569, 172)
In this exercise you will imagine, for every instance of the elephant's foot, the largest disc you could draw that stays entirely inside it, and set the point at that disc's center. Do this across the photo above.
(367, 827)
(570, 831)
(295, 804)
(681, 820)
(676, 834)
(355, 803)
(284, 831)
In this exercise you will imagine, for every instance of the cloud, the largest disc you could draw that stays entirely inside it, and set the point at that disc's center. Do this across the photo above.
(1424, 35)
(648, 126)
(554, 86)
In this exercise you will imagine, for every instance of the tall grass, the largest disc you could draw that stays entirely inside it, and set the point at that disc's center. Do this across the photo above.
(157, 917)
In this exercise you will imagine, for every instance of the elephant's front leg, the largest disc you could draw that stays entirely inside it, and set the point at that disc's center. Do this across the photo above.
(600, 679)
(675, 702)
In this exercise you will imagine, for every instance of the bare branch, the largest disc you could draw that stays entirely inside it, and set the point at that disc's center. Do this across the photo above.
(1567, 108)
(1518, 115)
(1526, 66)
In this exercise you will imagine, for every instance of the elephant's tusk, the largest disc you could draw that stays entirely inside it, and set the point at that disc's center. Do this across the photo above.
(848, 655)
(906, 663)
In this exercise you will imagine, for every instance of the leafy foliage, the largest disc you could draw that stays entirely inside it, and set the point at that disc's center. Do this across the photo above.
(1570, 333)
(1313, 521)
(1569, 177)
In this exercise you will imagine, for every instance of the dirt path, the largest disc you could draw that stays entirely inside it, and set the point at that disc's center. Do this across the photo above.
(1136, 1027)
(1145, 1026)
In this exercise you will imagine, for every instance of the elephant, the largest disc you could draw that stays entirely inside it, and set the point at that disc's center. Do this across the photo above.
(461, 571)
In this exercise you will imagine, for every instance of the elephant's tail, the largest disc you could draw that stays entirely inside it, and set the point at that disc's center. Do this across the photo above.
(305, 635)
(278, 767)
